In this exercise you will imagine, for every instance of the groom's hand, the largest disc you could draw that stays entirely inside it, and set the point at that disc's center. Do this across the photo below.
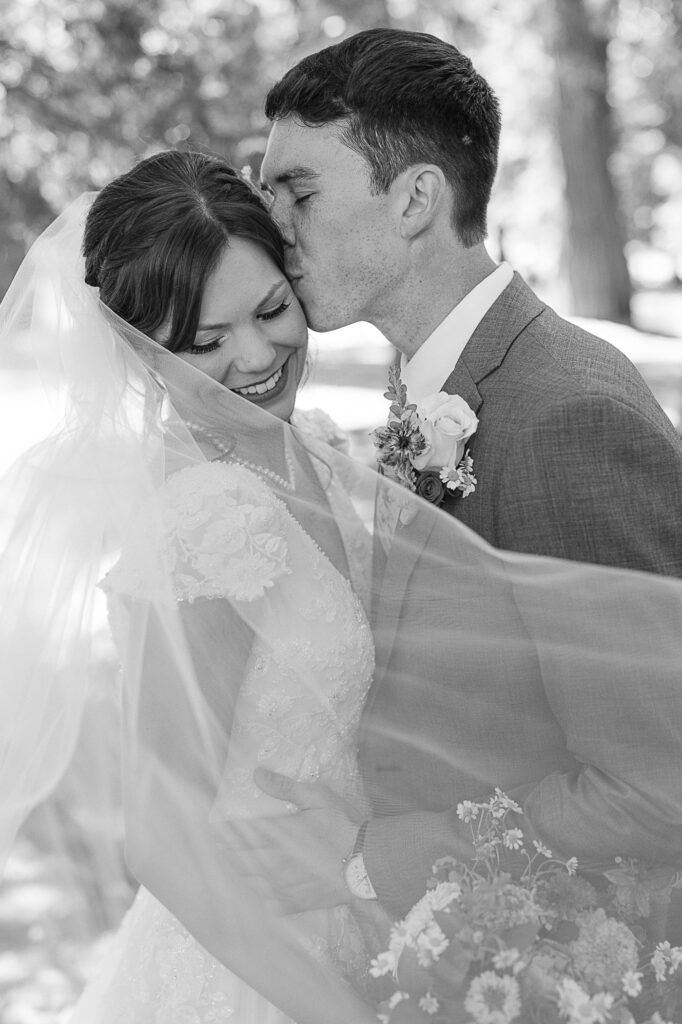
(297, 858)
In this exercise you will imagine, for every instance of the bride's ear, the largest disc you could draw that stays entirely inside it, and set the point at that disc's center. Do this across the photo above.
(424, 197)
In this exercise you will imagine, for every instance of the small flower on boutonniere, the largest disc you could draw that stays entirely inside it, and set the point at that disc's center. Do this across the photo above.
(430, 486)
(423, 446)
(460, 477)
(401, 440)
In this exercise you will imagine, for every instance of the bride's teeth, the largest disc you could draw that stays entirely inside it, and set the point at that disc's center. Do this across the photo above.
(267, 385)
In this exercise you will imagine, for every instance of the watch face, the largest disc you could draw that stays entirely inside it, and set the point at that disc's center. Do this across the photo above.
(357, 879)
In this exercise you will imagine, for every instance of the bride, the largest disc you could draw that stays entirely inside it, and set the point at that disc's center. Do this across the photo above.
(236, 603)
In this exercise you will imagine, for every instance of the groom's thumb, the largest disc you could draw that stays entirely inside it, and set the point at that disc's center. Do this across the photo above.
(284, 788)
(274, 784)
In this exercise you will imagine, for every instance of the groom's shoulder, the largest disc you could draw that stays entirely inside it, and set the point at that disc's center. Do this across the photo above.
(555, 355)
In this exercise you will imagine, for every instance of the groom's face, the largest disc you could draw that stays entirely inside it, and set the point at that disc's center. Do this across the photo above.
(342, 241)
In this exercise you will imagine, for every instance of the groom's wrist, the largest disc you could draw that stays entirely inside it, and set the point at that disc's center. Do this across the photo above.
(355, 873)
(401, 849)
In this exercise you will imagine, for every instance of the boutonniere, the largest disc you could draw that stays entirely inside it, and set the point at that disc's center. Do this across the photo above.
(423, 446)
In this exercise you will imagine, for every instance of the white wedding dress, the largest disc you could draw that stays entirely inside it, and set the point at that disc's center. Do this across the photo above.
(229, 536)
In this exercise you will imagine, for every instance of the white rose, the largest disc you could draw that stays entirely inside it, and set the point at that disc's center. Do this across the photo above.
(447, 422)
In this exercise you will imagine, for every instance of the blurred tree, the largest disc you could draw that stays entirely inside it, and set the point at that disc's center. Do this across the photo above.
(89, 86)
(508, 44)
(646, 93)
(595, 238)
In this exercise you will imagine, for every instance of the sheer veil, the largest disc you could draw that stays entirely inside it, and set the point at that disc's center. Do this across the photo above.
(85, 512)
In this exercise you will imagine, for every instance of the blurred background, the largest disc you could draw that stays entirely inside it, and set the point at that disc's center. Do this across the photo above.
(587, 206)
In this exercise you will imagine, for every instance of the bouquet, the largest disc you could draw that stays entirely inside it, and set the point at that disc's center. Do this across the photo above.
(546, 947)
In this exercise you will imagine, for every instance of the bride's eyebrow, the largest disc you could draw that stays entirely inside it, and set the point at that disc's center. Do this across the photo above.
(266, 298)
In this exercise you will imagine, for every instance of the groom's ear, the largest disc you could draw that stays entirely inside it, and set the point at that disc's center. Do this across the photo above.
(424, 197)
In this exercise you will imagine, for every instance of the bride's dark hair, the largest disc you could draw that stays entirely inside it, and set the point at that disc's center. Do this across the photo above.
(154, 234)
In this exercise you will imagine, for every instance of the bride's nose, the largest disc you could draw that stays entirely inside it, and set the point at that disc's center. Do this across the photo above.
(252, 351)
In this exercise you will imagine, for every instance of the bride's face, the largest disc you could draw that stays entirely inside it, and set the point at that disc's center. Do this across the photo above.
(252, 334)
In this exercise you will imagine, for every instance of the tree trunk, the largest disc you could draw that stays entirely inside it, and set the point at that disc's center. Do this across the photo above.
(594, 257)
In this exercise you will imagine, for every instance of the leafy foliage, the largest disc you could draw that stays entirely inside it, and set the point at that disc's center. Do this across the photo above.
(88, 87)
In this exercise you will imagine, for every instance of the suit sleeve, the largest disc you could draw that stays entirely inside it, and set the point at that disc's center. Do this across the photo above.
(618, 704)
(591, 479)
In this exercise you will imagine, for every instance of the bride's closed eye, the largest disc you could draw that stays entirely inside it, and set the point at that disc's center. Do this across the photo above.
(210, 346)
(213, 344)
(271, 314)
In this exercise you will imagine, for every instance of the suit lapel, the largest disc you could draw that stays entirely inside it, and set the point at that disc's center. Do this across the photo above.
(409, 542)
(460, 382)
(516, 307)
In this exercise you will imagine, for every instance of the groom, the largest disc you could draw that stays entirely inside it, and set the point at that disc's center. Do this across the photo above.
(380, 161)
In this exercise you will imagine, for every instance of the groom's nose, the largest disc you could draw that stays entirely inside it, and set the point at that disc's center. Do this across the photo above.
(282, 218)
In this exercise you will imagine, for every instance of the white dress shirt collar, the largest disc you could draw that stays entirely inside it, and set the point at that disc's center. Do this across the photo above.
(431, 365)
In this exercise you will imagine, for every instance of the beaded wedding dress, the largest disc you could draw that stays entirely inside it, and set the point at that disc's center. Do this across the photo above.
(227, 536)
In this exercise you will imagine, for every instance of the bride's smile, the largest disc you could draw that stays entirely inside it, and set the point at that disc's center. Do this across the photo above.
(283, 381)
(264, 386)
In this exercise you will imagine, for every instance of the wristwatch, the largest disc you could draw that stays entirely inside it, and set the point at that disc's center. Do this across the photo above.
(355, 873)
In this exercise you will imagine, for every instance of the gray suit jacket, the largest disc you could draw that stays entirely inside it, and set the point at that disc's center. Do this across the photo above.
(574, 456)
(574, 459)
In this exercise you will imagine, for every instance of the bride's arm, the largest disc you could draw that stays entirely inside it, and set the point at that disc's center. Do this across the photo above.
(171, 775)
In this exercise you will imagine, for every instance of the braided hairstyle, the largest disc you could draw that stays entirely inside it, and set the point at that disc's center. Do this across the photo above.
(154, 235)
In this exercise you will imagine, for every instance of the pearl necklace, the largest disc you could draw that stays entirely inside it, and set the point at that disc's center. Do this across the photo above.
(227, 453)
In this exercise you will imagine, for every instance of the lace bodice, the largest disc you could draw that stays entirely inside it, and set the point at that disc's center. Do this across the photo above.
(299, 707)
(227, 537)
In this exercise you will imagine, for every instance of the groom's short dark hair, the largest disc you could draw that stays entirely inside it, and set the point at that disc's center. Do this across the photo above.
(406, 98)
